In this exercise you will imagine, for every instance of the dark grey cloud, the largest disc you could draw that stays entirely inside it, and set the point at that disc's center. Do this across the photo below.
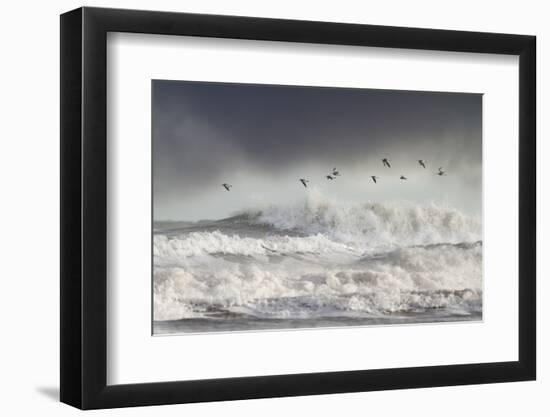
(207, 133)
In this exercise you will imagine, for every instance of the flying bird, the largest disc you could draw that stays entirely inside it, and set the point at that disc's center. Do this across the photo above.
(386, 162)
(335, 172)
(422, 163)
(330, 177)
(374, 177)
(304, 182)
(441, 172)
(402, 177)
(226, 186)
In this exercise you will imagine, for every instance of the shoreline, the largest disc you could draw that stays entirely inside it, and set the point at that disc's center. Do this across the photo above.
(245, 324)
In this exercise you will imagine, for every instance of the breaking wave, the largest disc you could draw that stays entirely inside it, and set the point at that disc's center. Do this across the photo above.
(401, 224)
(320, 259)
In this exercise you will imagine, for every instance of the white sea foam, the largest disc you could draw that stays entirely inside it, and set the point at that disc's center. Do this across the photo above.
(321, 259)
(296, 286)
(373, 224)
(216, 243)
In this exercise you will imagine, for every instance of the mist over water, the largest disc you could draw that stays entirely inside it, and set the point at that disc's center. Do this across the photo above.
(262, 139)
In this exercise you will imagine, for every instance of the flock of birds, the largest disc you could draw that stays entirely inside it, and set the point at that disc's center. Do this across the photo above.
(335, 173)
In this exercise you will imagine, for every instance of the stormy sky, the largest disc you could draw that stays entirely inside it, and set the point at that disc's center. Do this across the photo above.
(263, 138)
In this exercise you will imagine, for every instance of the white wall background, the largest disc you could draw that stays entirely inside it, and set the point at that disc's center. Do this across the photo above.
(29, 175)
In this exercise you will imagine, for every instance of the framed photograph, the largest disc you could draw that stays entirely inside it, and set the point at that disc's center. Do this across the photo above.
(258, 208)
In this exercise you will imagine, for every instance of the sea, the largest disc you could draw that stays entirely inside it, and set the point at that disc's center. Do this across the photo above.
(316, 264)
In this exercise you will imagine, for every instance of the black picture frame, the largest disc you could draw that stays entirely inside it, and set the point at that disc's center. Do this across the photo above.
(84, 207)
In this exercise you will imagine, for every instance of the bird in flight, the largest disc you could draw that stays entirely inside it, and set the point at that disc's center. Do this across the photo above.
(386, 162)
(441, 172)
(330, 177)
(226, 186)
(422, 163)
(402, 177)
(335, 172)
(304, 182)
(374, 178)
